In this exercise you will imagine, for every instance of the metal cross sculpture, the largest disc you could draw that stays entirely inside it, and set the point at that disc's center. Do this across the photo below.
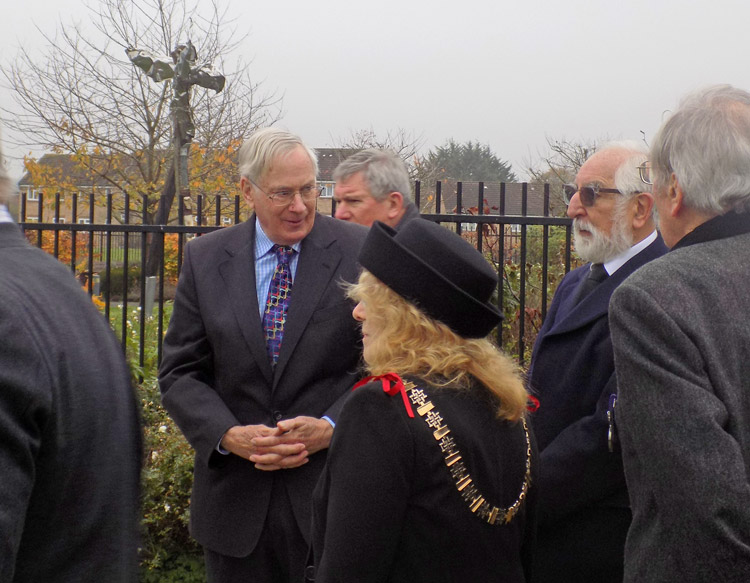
(182, 68)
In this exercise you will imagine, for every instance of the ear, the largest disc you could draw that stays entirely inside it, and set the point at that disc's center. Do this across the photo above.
(675, 196)
(247, 191)
(643, 204)
(395, 202)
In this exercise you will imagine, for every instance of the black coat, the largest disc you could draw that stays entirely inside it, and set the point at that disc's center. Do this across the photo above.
(387, 509)
(70, 442)
(215, 373)
(582, 493)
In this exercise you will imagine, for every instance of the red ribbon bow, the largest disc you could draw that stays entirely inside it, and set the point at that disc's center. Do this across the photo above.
(397, 386)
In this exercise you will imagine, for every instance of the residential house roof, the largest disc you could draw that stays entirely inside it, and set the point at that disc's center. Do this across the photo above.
(64, 166)
(493, 200)
(329, 158)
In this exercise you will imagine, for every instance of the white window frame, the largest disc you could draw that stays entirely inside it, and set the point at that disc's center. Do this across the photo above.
(327, 188)
(85, 221)
(32, 194)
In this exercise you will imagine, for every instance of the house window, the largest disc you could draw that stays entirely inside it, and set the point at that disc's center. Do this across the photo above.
(84, 221)
(32, 194)
(226, 220)
(327, 189)
(469, 227)
(60, 220)
(32, 219)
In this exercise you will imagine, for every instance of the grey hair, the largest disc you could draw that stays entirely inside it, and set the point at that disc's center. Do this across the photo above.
(382, 170)
(706, 144)
(259, 150)
(627, 177)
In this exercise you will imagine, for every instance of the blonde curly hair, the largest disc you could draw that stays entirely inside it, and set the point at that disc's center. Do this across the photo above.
(411, 343)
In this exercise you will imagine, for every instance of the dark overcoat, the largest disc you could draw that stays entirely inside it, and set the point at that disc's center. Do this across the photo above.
(583, 504)
(70, 439)
(215, 373)
(386, 508)
(681, 333)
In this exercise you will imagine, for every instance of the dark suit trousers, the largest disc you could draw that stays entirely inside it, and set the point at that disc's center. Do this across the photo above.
(280, 555)
(585, 547)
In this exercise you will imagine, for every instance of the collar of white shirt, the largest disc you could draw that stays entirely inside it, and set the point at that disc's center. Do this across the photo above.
(614, 264)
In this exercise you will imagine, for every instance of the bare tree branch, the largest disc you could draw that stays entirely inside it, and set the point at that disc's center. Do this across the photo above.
(404, 143)
(83, 97)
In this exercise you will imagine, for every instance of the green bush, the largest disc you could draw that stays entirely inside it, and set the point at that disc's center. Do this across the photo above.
(114, 285)
(168, 552)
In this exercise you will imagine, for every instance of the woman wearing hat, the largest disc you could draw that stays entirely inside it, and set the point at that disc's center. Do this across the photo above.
(430, 472)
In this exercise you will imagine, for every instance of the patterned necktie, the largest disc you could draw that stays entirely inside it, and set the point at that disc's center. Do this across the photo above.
(595, 276)
(277, 303)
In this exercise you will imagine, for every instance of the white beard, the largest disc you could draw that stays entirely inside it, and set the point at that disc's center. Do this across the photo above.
(600, 248)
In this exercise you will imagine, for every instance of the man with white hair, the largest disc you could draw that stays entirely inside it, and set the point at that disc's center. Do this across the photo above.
(373, 185)
(583, 506)
(260, 353)
(681, 335)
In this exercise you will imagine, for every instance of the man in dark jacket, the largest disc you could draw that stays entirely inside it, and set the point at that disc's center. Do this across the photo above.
(373, 185)
(260, 353)
(583, 502)
(70, 443)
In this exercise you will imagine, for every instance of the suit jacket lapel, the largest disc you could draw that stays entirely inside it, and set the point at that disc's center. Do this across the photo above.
(318, 261)
(238, 274)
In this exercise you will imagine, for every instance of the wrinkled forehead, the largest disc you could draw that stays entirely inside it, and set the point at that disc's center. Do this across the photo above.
(601, 167)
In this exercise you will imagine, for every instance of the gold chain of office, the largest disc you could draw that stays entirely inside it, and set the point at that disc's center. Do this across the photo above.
(453, 460)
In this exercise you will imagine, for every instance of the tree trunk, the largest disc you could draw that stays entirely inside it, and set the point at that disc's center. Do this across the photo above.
(155, 251)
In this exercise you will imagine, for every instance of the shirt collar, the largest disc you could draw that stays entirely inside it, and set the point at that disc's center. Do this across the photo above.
(614, 264)
(263, 244)
(5, 215)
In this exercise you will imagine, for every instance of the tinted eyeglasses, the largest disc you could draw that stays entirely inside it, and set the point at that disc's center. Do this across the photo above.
(589, 194)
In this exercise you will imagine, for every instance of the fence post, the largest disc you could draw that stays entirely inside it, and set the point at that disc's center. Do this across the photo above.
(150, 295)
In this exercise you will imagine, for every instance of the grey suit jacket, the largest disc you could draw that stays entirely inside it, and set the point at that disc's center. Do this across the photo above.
(681, 334)
(70, 446)
(215, 373)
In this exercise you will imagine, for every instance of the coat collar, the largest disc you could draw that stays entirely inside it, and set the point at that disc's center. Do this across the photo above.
(410, 213)
(596, 304)
(730, 224)
(11, 235)
(238, 273)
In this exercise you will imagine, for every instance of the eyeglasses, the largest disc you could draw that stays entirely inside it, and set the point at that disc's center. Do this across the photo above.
(285, 197)
(645, 172)
(589, 194)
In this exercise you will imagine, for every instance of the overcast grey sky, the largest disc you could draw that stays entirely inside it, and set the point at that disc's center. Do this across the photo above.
(506, 73)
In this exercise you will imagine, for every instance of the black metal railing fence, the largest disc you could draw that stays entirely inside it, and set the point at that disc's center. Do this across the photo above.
(530, 252)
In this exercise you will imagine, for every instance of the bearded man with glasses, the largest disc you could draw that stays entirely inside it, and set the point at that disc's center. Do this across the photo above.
(584, 511)
(260, 352)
